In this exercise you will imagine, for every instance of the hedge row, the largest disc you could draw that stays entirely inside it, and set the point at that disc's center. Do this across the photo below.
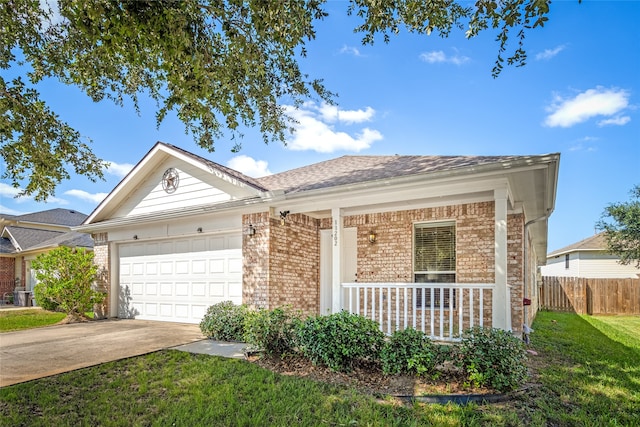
(487, 357)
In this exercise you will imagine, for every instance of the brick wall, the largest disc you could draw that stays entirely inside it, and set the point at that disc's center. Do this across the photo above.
(102, 258)
(281, 263)
(515, 268)
(255, 260)
(295, 264)
(7, 274)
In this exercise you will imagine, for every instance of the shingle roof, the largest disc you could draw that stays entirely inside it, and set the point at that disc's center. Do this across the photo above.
(356, 169)
(67, 217)
(6, 247)
(29, 237)
(71, 239)
(593, 243)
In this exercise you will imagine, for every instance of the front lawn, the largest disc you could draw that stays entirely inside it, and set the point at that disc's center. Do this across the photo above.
(587, 372)
(16, 320)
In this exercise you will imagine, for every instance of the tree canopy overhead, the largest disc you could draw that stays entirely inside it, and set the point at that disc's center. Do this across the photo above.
(218, 64)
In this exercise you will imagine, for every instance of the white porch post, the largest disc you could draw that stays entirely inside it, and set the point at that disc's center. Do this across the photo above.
(501, 307)
(336, 258)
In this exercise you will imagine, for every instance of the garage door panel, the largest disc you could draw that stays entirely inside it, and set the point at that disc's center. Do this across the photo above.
(179, 285)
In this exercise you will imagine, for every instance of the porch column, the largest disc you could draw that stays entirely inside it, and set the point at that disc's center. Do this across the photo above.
(501, 307)
(336, 259)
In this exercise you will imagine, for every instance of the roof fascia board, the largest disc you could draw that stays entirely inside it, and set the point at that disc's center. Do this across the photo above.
(236, 205)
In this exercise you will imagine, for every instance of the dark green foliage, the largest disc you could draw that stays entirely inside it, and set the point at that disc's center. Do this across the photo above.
(220, 66)
(224, 321)
(409, 351)
(492, 358)
(271, 330)
(340, 340)
(621, 225)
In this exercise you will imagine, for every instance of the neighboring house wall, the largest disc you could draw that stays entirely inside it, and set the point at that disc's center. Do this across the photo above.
(591, 264)
(7, 274)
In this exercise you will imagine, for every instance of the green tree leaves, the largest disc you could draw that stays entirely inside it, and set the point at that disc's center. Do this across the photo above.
(621, 225)
(218, 65)
(66, 280)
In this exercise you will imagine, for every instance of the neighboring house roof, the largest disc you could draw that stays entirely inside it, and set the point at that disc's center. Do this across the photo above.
(593, 243)
(25, 238)
(71, 239)
(347, 170)
(42, 230)
(65, 217)
(6, 247)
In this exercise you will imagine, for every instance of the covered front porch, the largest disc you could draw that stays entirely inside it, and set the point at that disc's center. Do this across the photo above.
(441, 311)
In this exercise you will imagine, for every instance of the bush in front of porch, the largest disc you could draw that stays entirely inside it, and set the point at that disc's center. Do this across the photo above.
(486, 357)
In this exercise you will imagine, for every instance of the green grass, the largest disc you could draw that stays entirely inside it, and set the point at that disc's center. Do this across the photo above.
(16, 320)
(587, 373)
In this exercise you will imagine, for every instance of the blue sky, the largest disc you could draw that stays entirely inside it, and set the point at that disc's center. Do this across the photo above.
(579, 95)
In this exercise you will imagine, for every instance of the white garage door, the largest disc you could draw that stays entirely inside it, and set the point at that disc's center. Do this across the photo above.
(177, 280)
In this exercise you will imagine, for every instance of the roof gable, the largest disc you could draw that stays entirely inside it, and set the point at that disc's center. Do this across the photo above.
(24, 238)
(199, 182)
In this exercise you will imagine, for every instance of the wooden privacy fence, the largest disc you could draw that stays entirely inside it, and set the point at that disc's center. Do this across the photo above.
(590, 296)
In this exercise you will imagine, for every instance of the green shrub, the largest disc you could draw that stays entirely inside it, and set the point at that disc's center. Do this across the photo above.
(409, 351)
(492, 357)
(224, 321)
(66, 281)
(271, 330)
(340, 340)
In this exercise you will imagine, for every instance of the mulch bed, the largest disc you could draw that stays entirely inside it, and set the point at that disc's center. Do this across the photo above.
(368, 378)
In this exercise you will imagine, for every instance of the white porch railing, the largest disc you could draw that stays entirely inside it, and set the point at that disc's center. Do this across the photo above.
(441, 310)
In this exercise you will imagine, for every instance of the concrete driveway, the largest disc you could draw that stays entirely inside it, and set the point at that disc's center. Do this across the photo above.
(36, 353)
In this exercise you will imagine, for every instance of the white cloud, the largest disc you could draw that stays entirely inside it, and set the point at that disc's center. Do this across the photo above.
(549, 53)
(438, 56)
(8, 211)
(593, 102)
(7, 190)
(119, 169)
(249, 166)
(314, 133)
(331, 113)
(618, 121)
(83, 195)
(351, 50)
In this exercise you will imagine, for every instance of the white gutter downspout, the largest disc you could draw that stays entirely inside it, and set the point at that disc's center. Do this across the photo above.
(526, 262)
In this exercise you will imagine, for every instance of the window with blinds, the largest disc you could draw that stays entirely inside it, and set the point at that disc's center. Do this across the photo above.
(434, 260)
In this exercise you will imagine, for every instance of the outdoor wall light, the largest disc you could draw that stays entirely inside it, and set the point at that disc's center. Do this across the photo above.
(372, 236)
(135, 237)
(252, 230)
(199, 230)
(283, 216)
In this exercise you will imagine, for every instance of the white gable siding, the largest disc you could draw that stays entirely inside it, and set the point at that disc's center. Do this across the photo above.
(196, 187)
(589, 265)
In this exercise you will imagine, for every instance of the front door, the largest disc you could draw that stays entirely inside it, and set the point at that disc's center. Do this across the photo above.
(349, 264)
